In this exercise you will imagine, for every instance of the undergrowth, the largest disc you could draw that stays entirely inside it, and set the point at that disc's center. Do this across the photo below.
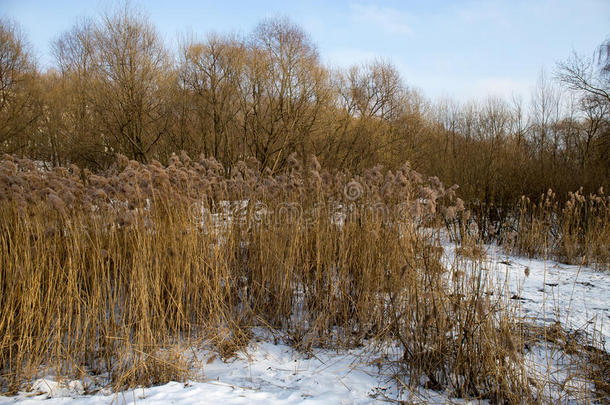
(109, 276)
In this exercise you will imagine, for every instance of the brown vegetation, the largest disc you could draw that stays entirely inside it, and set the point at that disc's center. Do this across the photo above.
(115, 88)
(105, 275)
(121, 243)
(576, 232)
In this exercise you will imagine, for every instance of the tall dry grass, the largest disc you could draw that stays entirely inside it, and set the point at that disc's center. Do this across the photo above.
(575, 232)
(109, 277)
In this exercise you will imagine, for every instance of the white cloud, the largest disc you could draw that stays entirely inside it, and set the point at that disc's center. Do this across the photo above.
(388, 19)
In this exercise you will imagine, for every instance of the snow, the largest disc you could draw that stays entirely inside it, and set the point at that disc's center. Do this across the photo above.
(264, 373)
(267, 373)
(578, 297)
(555, 371)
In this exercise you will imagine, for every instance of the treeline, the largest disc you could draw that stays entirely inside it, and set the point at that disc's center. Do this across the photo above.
(115, 87)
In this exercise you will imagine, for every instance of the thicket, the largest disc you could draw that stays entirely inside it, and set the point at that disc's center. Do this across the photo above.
(116, 88)
(108, 278)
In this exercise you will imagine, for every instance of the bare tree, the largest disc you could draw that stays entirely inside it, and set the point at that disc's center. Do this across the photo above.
(283, 92)
(19, 101)
(545, 111)
(603, 57)
(585, 75)
(211, 71)
(589, 77)
(69, 95)
(132, 68)
(518, 120)
(372, 98)
(124, 73)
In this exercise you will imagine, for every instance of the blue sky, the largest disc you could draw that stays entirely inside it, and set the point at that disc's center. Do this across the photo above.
(459, 49)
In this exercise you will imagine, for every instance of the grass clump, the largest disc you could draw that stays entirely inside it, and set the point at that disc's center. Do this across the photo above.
(575, 232)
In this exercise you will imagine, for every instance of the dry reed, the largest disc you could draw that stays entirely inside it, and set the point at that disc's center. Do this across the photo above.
(109, 276)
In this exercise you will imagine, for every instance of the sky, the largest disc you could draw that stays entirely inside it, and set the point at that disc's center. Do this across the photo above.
(447, 49)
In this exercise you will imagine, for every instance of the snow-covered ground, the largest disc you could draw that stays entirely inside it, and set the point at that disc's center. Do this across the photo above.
(264, 373)
(547, 292)
(267, 373)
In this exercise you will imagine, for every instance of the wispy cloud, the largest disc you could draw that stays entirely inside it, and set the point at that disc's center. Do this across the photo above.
(388, 19)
